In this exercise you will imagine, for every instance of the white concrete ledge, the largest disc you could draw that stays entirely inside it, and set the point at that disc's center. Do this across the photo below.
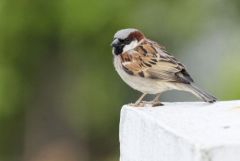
(181, 132)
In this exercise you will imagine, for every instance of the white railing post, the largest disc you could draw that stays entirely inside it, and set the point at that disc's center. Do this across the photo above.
(181, 132)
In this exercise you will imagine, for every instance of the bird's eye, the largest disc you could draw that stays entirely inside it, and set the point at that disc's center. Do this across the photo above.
(127, 41)
(121, 40)
(124, 41)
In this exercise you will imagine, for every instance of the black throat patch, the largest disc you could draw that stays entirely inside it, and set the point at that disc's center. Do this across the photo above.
(118, 50)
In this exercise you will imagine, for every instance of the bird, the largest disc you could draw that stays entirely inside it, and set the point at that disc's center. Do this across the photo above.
(147, 67)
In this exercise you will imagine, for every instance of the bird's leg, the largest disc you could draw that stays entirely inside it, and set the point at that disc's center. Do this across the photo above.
(137, 103)
(155, 102)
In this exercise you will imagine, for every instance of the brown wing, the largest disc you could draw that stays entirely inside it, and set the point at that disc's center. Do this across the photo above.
(149, 60)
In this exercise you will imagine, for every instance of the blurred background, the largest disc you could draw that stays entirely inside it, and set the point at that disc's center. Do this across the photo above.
(60, 97)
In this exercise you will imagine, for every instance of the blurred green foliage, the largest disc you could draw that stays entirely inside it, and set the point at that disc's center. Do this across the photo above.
(57, 81)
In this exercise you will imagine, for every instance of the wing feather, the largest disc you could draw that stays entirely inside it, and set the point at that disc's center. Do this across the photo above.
(150, 60)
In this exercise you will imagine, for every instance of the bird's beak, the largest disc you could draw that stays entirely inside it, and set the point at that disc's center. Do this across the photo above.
(115, 43)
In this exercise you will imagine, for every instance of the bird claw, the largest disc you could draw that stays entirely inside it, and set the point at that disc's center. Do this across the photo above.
(144, 103)
(153, 103)
(141, 104)
(157, 104)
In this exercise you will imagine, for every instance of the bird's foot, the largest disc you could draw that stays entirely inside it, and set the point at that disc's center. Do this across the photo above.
(145, 103)
(140, 104)
(157, 103)
(153, 103)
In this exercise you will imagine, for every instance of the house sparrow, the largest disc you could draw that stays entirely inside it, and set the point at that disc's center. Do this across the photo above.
(146, 67)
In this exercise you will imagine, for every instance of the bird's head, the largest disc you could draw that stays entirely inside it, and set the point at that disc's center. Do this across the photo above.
(126, 39)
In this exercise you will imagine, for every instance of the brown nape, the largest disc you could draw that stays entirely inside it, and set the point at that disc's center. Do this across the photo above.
(136, 35)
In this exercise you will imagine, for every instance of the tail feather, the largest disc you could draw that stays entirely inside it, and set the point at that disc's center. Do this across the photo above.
(201, 94)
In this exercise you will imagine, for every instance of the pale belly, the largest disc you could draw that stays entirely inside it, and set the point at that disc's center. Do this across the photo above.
(144, 85)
